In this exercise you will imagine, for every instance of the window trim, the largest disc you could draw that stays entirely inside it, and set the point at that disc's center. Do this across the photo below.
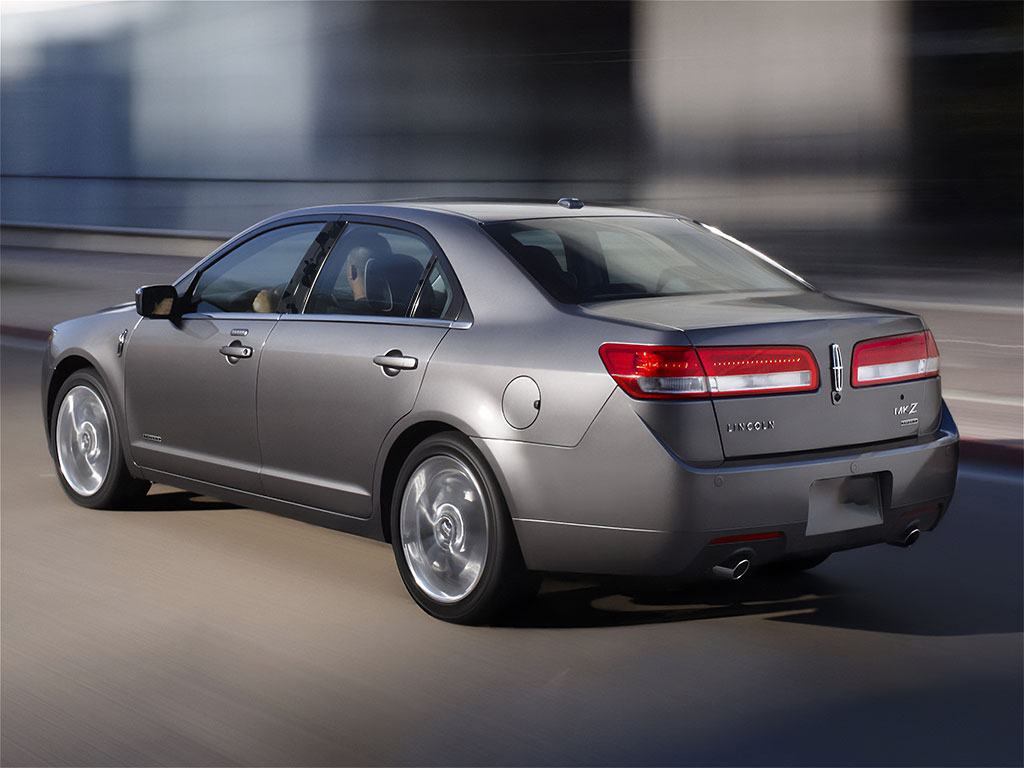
(424, 322)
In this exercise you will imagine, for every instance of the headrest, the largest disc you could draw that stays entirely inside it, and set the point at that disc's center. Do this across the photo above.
(373, 242)
(391, 282)
(538, 260)
(546, 270)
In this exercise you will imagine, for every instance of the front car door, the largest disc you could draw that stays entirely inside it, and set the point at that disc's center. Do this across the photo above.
(190, 383)
(335, 379)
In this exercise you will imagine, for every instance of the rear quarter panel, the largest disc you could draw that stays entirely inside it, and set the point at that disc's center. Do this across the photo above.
(518, 331)
(468, 375)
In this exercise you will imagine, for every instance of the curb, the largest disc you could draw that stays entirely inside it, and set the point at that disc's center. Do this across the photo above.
(181, 234)
(1004, 453)
(136, 242)
(18, 332)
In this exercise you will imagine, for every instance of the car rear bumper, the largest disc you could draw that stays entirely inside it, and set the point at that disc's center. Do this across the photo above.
(620, 502)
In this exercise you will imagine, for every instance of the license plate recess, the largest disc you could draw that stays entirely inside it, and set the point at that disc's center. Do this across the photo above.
(843, 504)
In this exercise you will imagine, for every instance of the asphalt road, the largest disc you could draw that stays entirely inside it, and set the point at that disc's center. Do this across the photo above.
(189, 632)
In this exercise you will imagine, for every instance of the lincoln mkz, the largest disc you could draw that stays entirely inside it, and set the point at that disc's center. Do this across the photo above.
(505, 389)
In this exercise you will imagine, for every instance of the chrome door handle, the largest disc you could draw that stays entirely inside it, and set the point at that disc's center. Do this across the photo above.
(398, 362)
(236, 350)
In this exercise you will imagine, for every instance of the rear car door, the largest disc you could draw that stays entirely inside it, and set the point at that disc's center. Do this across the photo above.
(336, 378)
(190, 383)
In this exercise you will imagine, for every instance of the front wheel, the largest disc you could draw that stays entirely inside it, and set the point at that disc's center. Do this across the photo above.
(453, 538)
(87, 446)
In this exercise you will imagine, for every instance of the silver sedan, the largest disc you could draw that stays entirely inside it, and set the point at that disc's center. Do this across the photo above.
(506, 389)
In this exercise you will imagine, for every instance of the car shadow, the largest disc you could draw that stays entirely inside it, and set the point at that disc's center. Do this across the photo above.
(613, 602)
(964, 579)
(179, 501)
(804, 598)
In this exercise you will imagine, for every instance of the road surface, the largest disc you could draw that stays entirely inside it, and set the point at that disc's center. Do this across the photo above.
(190, 632)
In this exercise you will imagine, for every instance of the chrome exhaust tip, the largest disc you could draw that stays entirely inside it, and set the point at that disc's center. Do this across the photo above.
(732, 570)
(910, 537)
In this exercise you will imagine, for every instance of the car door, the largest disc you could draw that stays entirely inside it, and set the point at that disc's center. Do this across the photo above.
(190, 383)
(335, 379)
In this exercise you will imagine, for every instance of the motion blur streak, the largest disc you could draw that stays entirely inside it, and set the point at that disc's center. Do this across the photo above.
(873, 148)
(208, 116)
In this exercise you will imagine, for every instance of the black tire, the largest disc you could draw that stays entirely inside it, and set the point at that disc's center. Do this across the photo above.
(796, 565)
(117, 487)
(503, 583)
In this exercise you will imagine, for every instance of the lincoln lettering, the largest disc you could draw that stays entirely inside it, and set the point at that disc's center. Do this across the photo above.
(752, 426)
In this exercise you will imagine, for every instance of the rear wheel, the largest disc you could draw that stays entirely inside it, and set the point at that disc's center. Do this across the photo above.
(452, 534)
(87, 446)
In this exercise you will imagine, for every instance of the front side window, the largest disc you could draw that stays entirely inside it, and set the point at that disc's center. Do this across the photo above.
(579, 260)
(373, 270)
(254, 277)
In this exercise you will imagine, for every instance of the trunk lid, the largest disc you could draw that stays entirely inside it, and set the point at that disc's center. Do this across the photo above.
(758, 425)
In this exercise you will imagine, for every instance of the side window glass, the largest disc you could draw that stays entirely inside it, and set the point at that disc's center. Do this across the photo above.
(435, 296)
(371, 271)
(255, 275)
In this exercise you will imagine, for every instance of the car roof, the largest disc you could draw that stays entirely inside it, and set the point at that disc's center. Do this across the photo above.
(479, 210)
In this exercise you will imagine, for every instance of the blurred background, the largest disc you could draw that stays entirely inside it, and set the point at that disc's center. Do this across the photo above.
(207, 116)
(874, 147)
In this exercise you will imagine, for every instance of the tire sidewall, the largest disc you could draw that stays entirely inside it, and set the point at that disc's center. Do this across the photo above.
(117, 471)
(502, 550)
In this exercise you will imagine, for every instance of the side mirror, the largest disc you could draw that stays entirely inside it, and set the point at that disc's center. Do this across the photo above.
(156, 301)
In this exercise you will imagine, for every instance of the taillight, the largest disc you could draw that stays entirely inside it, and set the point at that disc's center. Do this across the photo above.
(895, 358)
(758, 370)
(655, 373)
(676, 373)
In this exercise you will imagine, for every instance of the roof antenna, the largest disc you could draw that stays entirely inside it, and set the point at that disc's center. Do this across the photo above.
(571, 202)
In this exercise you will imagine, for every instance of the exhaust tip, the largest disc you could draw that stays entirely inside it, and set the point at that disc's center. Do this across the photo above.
(910, 537)
(732, 570)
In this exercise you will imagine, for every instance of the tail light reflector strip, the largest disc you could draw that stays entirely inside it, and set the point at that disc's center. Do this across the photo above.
(747, 537)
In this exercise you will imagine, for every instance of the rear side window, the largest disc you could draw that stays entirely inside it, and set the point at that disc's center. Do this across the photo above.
(579, 260)
(372, 270)
(435, 299)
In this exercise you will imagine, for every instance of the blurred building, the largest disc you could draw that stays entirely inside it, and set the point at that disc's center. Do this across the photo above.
(208, 116)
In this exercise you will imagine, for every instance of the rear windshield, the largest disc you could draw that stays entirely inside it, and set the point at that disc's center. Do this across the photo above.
(581, 260)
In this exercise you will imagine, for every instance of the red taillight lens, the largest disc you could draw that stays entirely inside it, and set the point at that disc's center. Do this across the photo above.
(686, 372)
(895, 358)
(758, 370)
(656, 373)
